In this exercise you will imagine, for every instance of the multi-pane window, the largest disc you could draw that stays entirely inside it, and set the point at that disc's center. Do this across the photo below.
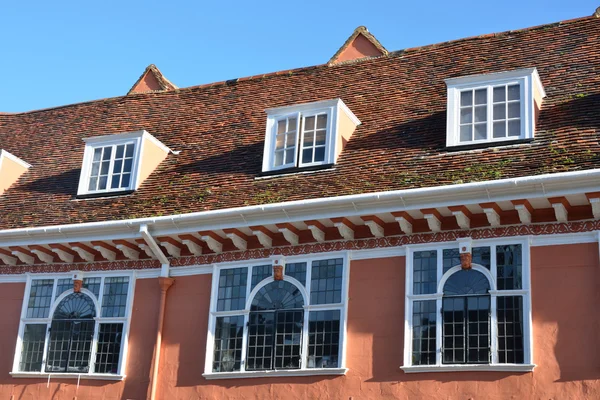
(490, 113)
(85, 331)
(472, 316)
(111, 168)
(290, 324)
(300, 140)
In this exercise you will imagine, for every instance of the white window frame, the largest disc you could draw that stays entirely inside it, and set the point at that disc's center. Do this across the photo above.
(138, 138)
(126, 321)
(491, 275)
(303, 370)
(528, 80)
(332, 141)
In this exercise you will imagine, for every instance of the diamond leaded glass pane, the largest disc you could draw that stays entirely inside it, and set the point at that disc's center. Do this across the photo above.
(259, 273)
(509, 267)
(227, 354)
(465, 331)
(109, 348)
(297, 271)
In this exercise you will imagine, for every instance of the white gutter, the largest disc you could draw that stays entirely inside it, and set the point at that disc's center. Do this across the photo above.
(164, 270)
(541, 186)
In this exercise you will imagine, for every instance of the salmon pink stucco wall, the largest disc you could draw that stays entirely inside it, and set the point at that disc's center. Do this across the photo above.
(565, 295)
(141, 345)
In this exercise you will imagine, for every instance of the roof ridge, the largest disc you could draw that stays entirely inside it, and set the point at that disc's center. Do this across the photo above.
(394, 53)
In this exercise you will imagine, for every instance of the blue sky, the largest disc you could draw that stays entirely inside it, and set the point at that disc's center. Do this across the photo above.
(62, 52)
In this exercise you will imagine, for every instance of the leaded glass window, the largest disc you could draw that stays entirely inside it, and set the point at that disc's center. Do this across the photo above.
(468, 316)
(76, 339)
(278, 322)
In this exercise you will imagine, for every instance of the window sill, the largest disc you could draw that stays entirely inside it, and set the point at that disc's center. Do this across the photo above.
(46, 375)
(487, 144)
(470, 367)
(266, 374)
(103, 195)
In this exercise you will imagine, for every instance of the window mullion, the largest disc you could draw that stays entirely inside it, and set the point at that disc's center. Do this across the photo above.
(94, 349)
(46, 345)
(489, 113)
(111, 166)
(305, 338)
(246, 321)
(299, 139)
(493, 329)
(438, 331)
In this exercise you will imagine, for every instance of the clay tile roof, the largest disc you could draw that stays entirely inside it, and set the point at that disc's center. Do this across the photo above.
(151, 80)
(400, 99)
(361, 44)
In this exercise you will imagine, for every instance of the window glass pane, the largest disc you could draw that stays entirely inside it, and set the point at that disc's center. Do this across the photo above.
(95, 169)
(259, 273)
(292, 122)
(509, 267)
(127, 165)
(281, 125)
(466, 115)
(309, 123)
(289, 156)
(480, 113)
(297, 271)
(114, 297)
(62, 285)
(278, 159)
(510, 329)
(120, 151)
(232, 289)
(93, 183)
(326, 281)
(466, 282)
(465, 133)
(115, 181)
(465, 333)
(499, 111)
(93, 285)
(424, 272)
(75, 306)
(499, 93)
(107, 153)
(322, 121)
(514, 127)
(40, 298)
(514, 110)
(323, 339)
(480, 131)
(320, 154)
(288, 339)
(451, 258)
(466, 98)
(481, 256)
(109, 348)
(320, 138)
(97, 154)
(424, 332)
(34, 340)
(70, 346)
(102, 183)
(277, 295)
(514, 92)
(228, 343)
(307, 155)
(125, 180)
(499, 129)
(481, 96)
(261, 331)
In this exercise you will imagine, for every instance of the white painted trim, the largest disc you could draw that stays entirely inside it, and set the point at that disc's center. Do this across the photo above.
(59, 376)
(17, 278)
(377, 253)
(12, 157)
(276, 373)
(192, 270)
(469, 367)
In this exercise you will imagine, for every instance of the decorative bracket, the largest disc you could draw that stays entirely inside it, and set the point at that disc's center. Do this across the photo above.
(434, 219)
(172, 246)
(129, 250)
(107, 251)
(561, 208)
(492, 212)
(42, 253)
(63, 252)
(239, 239)
(193, 244)
(594, 199)
(290, 233)
(265, 236)
(214, 241)
(525, 210)
(375, 224)
(463, 216)
(85, 252)
(317, 229)
(24, 255)
(345, 227)
(405, 221)
(7, 257)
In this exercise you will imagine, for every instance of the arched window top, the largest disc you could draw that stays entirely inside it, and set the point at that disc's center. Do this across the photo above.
(465, 282)
(277, 295)
(75, 306)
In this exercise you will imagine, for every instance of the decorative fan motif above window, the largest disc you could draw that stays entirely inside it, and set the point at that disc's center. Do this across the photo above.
(75, 306)
(465, 282)
(277, 295)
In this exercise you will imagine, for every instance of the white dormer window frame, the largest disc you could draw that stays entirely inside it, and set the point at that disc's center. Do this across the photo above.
(100, 162)
(303, 135)
(493, 111)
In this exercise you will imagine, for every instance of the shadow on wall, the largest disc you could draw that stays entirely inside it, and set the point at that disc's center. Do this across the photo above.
(566, 326)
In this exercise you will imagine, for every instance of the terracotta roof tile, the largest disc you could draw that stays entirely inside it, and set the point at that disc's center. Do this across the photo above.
(400, 99)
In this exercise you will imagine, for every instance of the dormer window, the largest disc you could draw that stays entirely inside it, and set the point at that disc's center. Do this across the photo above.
(307, 135)
(119, 163)
(493, 107)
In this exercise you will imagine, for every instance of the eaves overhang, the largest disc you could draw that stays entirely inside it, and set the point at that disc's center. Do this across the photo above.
(531, 187)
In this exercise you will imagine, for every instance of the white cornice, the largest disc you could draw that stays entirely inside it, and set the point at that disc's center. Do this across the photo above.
(12, 157)
(542, 186)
